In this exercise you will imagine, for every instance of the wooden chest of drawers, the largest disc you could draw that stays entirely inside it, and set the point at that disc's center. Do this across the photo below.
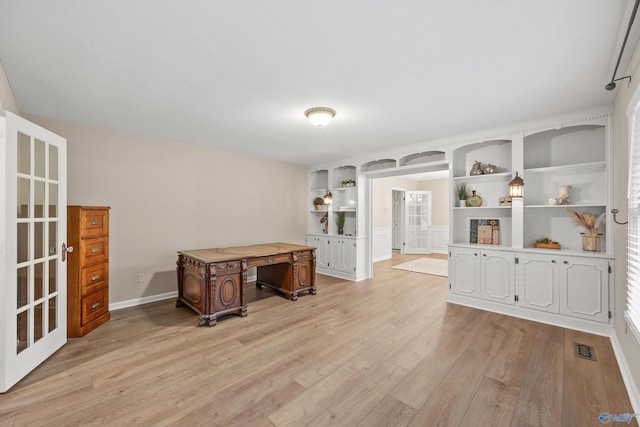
(87, 269)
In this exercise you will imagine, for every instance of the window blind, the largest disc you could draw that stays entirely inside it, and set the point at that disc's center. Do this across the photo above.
(632, 313)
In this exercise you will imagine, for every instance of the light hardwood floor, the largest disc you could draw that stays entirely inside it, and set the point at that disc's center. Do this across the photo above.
(383, 352)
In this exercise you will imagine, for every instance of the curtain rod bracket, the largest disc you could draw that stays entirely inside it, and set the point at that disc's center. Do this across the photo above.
(615, 212)
(611, 85)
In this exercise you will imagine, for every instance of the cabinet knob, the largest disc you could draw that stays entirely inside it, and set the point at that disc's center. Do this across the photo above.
(95, 250)
(475, 254)
(566, 262)
(484, 255)
(553, 261)
(95, 222)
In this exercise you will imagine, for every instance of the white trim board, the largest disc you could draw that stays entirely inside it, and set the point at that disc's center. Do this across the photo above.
(140, 301)
(632, 390)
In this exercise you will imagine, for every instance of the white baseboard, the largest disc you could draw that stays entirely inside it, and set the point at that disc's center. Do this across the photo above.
(143, 300)
(632, 389)
(381, 258)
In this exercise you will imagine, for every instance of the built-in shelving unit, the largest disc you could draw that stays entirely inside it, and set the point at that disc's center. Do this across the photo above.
(341, 255)
(568, 286)
(490, 187)
(572, 155)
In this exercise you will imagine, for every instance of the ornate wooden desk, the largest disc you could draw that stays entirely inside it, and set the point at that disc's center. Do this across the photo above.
(213, 282)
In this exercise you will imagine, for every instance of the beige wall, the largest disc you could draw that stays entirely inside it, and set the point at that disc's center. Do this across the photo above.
(439, 199)
(7, 100)
(382, 205)
(626, 89)
(167, 196)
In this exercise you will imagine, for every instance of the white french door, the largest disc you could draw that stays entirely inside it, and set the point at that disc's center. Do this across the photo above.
(417, 222)
(33, 227)
(397, 218)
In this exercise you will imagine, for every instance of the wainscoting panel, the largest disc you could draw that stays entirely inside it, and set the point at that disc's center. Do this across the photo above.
(381, 243)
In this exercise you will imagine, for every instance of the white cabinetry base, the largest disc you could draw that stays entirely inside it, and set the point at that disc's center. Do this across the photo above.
(605, 329)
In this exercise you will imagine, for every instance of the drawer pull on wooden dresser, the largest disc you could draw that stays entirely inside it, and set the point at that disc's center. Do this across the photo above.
(95, 305)
(94, 278)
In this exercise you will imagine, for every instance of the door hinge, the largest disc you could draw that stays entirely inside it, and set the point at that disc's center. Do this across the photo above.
(517, 262)
(516, 298)
(449, 285)
(449, 253)
(609, 314)
(609, 269)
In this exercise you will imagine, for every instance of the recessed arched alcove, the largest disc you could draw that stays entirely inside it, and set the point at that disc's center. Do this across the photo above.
(421, 158)
(378, 164)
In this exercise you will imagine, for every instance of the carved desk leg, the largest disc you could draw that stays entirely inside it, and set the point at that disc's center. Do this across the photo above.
(180, 274)
(211, 321)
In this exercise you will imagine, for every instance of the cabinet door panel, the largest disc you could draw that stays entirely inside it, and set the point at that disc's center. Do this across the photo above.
(464, 268)
(585, 289)
(497, 276)
(348, 256)
(335, 254)
(537, 283)
(322, 247)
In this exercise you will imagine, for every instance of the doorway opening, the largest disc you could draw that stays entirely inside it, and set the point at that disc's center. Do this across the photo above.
(409, 214)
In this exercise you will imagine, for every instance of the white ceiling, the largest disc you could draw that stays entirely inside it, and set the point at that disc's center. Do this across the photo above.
(238, 75)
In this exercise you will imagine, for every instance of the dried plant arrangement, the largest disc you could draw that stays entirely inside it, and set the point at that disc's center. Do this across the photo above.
(588, 221)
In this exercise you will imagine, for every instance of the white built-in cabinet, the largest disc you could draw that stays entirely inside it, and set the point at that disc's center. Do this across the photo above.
(482, 274)
(340, 255)
(569, 286)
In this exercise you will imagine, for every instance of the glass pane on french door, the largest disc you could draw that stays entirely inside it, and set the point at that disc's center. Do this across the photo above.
(37, 242)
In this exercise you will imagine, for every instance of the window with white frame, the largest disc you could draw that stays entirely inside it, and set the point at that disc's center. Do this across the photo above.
(632, 313)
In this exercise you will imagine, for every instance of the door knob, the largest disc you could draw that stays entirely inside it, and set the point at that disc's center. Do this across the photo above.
(66, 249)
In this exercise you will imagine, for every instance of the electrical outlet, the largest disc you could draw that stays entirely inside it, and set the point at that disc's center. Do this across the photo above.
(140, 277)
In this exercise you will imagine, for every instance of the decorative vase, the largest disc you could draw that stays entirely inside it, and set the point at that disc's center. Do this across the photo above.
(591, 242)
(340, 230)
(461, 203)
(489, 169)
(474, 200)
(563, 194)
(318, 207)
(476, 169)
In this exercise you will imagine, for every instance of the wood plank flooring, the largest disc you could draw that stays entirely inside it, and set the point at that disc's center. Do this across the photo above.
(383, 352)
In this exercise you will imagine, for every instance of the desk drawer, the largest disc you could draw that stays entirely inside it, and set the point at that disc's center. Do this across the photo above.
(94, 305)
(94, 222)
(268, 260)
(94, 278)
(94, 251)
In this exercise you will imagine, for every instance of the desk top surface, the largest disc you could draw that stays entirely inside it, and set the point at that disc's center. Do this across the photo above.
(242, 252)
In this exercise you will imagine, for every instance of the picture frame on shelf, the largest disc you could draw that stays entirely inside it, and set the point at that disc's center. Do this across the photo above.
(484, 231)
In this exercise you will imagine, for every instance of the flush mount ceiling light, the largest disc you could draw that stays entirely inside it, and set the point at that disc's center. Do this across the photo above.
(320, 116)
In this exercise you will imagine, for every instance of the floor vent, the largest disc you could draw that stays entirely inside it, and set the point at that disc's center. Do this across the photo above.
(584, 351)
